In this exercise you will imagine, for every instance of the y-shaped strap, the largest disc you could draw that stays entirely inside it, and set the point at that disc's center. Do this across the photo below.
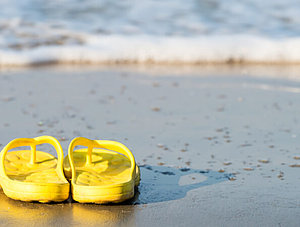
(33, 142)
(105, 144)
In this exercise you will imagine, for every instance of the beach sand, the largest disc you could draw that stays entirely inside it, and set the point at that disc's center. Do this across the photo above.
(217, 145)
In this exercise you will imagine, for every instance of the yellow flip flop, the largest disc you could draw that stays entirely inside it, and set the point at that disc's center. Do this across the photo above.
(103, 172)
(31, 175)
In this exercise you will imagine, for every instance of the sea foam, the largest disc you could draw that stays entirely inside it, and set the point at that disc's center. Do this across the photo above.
(110, 31)
(154, 49)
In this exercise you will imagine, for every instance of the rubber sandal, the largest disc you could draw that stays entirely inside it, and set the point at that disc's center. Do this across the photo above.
(31, 175)
(103, 172)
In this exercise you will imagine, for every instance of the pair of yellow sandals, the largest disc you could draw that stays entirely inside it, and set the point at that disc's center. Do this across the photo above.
(102, 172)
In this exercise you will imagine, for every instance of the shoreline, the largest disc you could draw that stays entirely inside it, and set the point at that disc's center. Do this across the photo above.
(147, 63)
(149, 49)
(288, 72)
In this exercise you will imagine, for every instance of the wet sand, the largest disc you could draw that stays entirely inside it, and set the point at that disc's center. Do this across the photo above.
(217, 146)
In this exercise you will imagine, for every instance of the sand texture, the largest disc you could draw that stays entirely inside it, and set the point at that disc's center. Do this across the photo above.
(217, 146)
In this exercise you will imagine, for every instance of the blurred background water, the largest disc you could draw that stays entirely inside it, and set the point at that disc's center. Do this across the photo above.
(93, 31)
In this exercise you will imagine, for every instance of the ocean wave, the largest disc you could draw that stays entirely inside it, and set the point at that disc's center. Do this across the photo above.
(160, 32)
(94, 49)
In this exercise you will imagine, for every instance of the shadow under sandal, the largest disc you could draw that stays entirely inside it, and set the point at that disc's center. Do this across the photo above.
(31, 175)
(103, 172)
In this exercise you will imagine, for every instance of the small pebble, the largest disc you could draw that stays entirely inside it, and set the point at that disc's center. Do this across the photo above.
(89, 127)
(40, 123)
(280, 175)
(246, 145)
(295, 165)
(155, 84)
(155, 109)
(175, 84)
(160, 145)
(227, 163)
(7, 99)
(263, 161)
